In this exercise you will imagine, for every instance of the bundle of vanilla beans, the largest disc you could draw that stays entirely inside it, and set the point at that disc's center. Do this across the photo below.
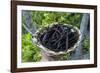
(58, 37)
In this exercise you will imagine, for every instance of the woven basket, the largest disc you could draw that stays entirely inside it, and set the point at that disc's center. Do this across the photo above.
(52, 53)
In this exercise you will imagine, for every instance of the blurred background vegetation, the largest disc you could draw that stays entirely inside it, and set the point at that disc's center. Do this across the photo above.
(40, 19)
(46, 18)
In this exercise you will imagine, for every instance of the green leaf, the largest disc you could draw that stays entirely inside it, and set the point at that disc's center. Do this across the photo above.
(30, 52)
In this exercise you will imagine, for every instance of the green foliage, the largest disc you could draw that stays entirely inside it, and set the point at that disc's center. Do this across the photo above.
(86, 44)
(30, 52)
(44, 18)
(65, 56)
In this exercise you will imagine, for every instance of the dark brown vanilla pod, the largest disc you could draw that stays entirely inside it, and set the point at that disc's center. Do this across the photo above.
(58, 37)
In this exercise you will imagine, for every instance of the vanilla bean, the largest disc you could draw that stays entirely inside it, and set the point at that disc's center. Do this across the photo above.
(59, 37)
